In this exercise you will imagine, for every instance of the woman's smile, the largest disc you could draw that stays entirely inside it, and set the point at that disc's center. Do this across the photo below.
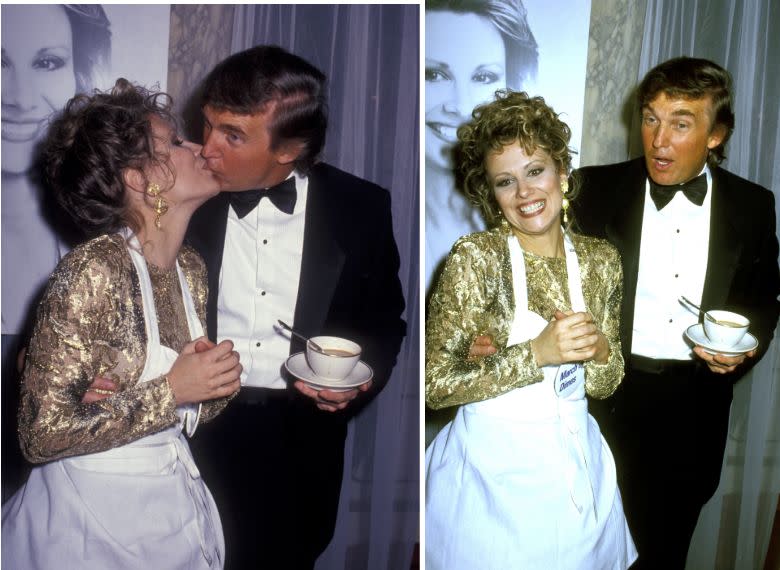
(530, 209)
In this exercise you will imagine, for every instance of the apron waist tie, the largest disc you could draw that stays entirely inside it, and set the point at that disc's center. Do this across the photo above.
(576, 464)
(197, 490)
(159, 454)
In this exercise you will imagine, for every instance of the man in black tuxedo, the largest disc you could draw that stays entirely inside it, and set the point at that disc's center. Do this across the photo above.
(713, 242)
(319, 254)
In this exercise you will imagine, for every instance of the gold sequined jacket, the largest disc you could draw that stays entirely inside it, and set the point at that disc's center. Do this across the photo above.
(474, 296)
(91, 323)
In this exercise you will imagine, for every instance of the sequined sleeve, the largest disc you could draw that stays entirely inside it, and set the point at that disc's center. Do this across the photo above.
(471, 298)
(195, 271)
(87, 326)
(603, 292)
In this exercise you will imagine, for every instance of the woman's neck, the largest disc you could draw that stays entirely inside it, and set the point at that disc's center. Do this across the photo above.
(161, 246)
(546, 245)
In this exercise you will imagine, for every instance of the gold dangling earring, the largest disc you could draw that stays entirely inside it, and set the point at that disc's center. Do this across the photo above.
(565, 201)
(160, 204)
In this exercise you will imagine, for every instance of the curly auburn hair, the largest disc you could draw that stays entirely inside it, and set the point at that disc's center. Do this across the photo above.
(511, 117)
(91, 144)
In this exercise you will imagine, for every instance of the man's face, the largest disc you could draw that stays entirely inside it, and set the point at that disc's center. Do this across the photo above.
(237, 149)
(677, 135)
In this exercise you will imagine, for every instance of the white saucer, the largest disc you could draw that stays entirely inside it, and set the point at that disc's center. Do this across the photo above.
(695, 334)
(297, 366)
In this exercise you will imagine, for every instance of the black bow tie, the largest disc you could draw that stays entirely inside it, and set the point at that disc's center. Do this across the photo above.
(695, 190)
(282, 196)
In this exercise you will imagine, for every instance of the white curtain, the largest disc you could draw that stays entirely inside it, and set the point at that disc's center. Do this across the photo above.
(741, 35)
(371, 57)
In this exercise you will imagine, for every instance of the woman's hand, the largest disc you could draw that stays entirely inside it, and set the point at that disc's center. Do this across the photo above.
(570, 337)
(481, 347)
(199, 375)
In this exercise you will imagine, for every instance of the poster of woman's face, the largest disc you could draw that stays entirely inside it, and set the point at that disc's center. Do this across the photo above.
(473, 48)
(38, 77)
(50, 53)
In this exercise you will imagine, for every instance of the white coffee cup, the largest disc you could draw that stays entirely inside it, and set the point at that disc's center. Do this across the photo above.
(725, 329)
(340, 357)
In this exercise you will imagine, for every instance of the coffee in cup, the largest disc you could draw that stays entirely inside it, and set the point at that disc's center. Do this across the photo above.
(725, 329)
(337, 360)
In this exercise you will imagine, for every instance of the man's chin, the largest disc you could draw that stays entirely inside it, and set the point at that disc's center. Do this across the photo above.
(225, 186)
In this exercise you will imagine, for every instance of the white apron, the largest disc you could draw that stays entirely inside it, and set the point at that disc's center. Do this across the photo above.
(525, 480)
(139, 506)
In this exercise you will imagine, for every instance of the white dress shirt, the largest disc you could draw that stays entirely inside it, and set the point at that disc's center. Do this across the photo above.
(672, 263)
(258, 285)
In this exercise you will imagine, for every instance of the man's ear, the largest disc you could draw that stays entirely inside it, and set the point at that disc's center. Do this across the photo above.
(289, 151)
(717, 134)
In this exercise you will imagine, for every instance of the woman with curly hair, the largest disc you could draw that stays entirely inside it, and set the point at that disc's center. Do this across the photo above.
(116, 485)
(50, 53)
(522, 477)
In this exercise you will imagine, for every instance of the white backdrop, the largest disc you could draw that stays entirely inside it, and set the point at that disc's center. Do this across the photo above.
(139, 43)
(561, 29)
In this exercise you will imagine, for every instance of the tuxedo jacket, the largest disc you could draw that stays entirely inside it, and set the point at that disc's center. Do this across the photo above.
(742, 268)
(349, 283)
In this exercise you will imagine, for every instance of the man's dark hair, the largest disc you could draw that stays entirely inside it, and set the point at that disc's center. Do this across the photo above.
(269, 77)
(693, 78)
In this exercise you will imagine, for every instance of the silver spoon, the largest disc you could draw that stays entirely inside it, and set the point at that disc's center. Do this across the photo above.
(701, 312)
(314, 345)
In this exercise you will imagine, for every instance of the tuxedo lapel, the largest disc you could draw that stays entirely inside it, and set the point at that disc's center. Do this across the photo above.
(322, 260)
(725, 244)
(624, 231)
(207, 235)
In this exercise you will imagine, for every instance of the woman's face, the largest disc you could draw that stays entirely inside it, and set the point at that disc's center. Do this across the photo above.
(193, 181)
(527, 189)
(38, 77)
(465, 63)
